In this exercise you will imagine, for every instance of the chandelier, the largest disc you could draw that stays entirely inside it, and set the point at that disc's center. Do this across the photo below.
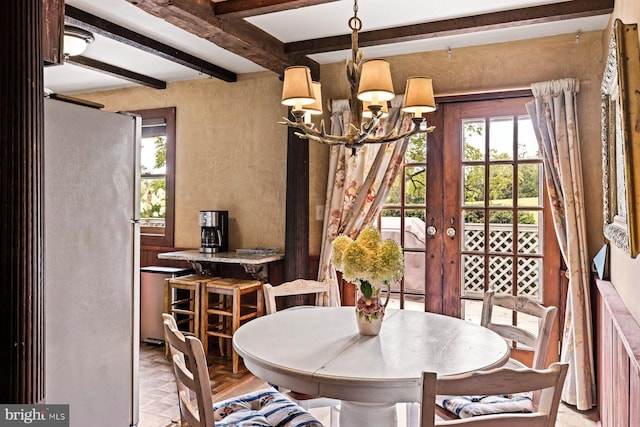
(371, 89)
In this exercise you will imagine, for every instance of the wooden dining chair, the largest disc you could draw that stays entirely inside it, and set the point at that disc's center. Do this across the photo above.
(497, 381)
(326, 293)
(539, 342)
(262, 407)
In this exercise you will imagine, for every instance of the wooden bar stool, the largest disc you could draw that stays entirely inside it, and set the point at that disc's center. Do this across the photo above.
(224, 307)
(182, 301)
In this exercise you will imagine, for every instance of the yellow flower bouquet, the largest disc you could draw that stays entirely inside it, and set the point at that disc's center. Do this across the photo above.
(371, 263)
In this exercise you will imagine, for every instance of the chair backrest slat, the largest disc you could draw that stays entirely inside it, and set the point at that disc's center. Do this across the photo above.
(192, 376)
(521, 304)
(498, 381)
(326, 293)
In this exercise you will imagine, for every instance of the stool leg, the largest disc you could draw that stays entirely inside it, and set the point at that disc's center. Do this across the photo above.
(234, 326)
(203, 332)
(222, 321)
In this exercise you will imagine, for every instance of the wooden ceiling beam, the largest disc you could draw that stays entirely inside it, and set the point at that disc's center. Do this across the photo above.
(463, 25)
(121, 73)
(89, 22)
(244, 8)
(235, 35)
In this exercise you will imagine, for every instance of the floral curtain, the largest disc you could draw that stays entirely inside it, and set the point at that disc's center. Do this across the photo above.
(554, 116)
(357, 185)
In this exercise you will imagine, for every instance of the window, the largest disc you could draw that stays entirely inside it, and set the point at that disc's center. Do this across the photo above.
(157, 176)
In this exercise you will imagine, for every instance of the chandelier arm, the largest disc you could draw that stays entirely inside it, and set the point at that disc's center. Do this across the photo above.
(319, 136)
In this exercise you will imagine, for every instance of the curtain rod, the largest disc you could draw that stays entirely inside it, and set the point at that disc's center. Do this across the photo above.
(497, 90)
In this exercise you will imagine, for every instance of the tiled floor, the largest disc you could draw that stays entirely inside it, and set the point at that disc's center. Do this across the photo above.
(159, 404)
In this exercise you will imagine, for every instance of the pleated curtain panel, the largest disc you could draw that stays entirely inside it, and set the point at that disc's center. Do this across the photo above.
(554, 116)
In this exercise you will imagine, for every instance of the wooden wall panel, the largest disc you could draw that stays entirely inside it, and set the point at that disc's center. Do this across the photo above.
(618, 359)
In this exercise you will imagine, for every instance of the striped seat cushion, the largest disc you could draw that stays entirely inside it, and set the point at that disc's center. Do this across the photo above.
(471, 406)
(265, 407)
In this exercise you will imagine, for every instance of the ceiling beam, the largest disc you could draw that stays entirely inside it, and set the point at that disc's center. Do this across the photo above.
(89, 22)
(244, 8)
(463, 25)
(94, 64)
(235, 35)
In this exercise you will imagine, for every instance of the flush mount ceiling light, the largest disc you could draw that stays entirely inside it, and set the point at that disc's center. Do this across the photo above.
(75, 40)
(371, 85)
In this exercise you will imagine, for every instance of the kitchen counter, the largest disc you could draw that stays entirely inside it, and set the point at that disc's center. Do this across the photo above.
(256, 265)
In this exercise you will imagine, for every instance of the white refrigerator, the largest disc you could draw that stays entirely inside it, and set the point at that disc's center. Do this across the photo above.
(91, 264)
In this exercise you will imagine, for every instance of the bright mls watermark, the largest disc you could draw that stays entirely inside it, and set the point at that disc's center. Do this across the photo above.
(34, 415)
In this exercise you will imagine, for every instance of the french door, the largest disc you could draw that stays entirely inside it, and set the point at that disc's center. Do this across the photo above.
(471, 212)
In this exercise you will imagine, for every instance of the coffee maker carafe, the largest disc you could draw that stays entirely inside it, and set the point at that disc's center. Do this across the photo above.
(214, 231)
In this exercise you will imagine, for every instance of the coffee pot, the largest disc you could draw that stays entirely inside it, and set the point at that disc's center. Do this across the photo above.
(214, 231)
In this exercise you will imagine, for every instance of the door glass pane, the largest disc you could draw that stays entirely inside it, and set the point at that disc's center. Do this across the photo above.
(530, 277)
(528, 147)
(473, 229)
(473, 275)
(501, 185)
(501, 231)
(473, 185)
(414, 229)
(501, 139)
(530, 232)
(529, 185)
(414, 268)
(393, 197)
(501, 273)
(415, 185)
(473, 140)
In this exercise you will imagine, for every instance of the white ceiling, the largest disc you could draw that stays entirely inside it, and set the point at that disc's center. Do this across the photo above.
(329, 19)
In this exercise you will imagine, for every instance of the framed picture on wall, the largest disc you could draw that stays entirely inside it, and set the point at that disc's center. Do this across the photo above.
(621, 139)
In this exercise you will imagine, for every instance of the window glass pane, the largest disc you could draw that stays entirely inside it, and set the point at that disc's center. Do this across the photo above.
(473, 140)
(473, 229)
(501, 185)
(473, 275)
(153, 155)
(473, 185)
(415, 185)
(501, 139)
(529, 184)
(528, 147)
(501, 231)
(530, 232)
(501, 273)
(153, 205)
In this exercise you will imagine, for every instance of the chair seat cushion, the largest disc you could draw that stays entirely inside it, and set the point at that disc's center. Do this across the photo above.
(265, 407)
(471, 406)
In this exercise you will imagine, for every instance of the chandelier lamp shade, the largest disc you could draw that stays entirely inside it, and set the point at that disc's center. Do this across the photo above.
(371, 89)
(75, 40)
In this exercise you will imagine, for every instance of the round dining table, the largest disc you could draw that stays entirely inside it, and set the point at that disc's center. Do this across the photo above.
(318, 351)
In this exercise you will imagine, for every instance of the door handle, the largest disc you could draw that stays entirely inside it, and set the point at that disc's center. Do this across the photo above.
(431, 230)
(451, 232)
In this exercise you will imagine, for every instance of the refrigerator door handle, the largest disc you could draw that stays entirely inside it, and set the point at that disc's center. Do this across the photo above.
(135, 221)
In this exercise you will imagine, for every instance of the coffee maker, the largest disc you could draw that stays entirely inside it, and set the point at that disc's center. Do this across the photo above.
(214, 234)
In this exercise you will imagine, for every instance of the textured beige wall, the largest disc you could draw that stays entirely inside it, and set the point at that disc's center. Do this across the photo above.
(624, 270)
(231, 154)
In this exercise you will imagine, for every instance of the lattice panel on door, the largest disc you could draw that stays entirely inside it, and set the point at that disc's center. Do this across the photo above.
(501, 274)
(473, 275)
(500, 239)
(528, 239)
(529, 274)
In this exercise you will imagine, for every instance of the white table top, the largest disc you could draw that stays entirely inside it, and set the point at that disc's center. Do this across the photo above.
(319, 351)
(221, 257)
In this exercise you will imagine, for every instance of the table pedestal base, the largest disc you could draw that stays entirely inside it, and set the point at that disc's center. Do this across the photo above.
(368, 414)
